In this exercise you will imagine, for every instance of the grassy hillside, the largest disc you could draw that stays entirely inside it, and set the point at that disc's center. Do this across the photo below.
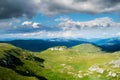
(18, 64)
(81, 62)
(86, 48)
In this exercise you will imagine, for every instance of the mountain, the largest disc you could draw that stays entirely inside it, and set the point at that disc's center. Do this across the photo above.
(109, 44)
(80, 62)
(40, 45)
(37, 45)
(86, 48)
(19, 64)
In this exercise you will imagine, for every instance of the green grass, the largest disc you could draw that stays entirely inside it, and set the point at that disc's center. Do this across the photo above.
(78, 58)
(8, 74)
(64, 64)
(86, 48)
(22, 63)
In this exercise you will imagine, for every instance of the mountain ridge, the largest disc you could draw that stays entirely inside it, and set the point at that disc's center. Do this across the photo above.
(37, 45)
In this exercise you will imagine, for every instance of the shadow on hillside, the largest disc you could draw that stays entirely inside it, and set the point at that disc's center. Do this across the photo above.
(12, 61)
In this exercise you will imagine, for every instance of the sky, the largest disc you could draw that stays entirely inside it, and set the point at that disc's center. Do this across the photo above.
(41, 19)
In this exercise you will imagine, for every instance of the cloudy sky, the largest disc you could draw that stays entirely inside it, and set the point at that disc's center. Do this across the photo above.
(59, 19)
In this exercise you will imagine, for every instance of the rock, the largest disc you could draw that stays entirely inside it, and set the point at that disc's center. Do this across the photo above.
(112, 74)
(63, 65)
(115, 63)
(96, 69)
(56, 49)
(79, 76)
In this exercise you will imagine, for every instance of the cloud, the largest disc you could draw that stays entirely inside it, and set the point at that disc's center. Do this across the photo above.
(66, 28)
(18, 8)
(31, 24)
(42, 34)
(27, 23)
(15, 26)
(7, 25)
(36, 25)
(60, 34)
(29, 8)
(98, 23)
(49, 7)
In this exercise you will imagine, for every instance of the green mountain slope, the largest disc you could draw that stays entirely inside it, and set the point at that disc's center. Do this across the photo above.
(86, 48)
(81, 62)
(18, 64)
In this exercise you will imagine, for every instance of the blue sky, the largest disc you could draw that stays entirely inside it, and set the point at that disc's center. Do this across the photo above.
(21, 19)
(75, 16)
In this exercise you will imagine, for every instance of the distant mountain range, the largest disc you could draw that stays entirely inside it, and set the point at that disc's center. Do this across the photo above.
(36, 45)
(110, 44)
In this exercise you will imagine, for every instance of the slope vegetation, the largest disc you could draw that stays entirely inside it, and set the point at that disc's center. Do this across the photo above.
(18, 64)
(81, 62)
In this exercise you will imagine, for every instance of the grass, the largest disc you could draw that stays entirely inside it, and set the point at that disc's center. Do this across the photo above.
(8, 74)
(57, 63)
(70, 61)
(22, 63)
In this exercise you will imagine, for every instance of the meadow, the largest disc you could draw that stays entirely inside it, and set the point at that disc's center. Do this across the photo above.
(81, 62)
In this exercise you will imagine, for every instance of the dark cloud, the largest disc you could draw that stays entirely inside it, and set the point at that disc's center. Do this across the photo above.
(80, 0)
(109, 3)
(17, 8)
(113, 1)
(81, 6)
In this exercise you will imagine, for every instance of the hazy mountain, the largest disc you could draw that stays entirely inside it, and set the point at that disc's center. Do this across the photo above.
(40, 45)
(109, 44)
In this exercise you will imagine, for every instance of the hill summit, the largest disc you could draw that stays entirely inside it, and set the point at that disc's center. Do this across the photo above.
(86, 48)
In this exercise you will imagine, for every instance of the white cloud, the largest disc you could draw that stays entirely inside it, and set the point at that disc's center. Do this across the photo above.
(44, 34)
(99, 23)
(27, 23)
(118, 34)
(61, 34)
(97, 28)
(31, 24)
(36, 25)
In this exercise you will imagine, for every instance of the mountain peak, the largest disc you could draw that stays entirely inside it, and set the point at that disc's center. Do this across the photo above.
(87, 48)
